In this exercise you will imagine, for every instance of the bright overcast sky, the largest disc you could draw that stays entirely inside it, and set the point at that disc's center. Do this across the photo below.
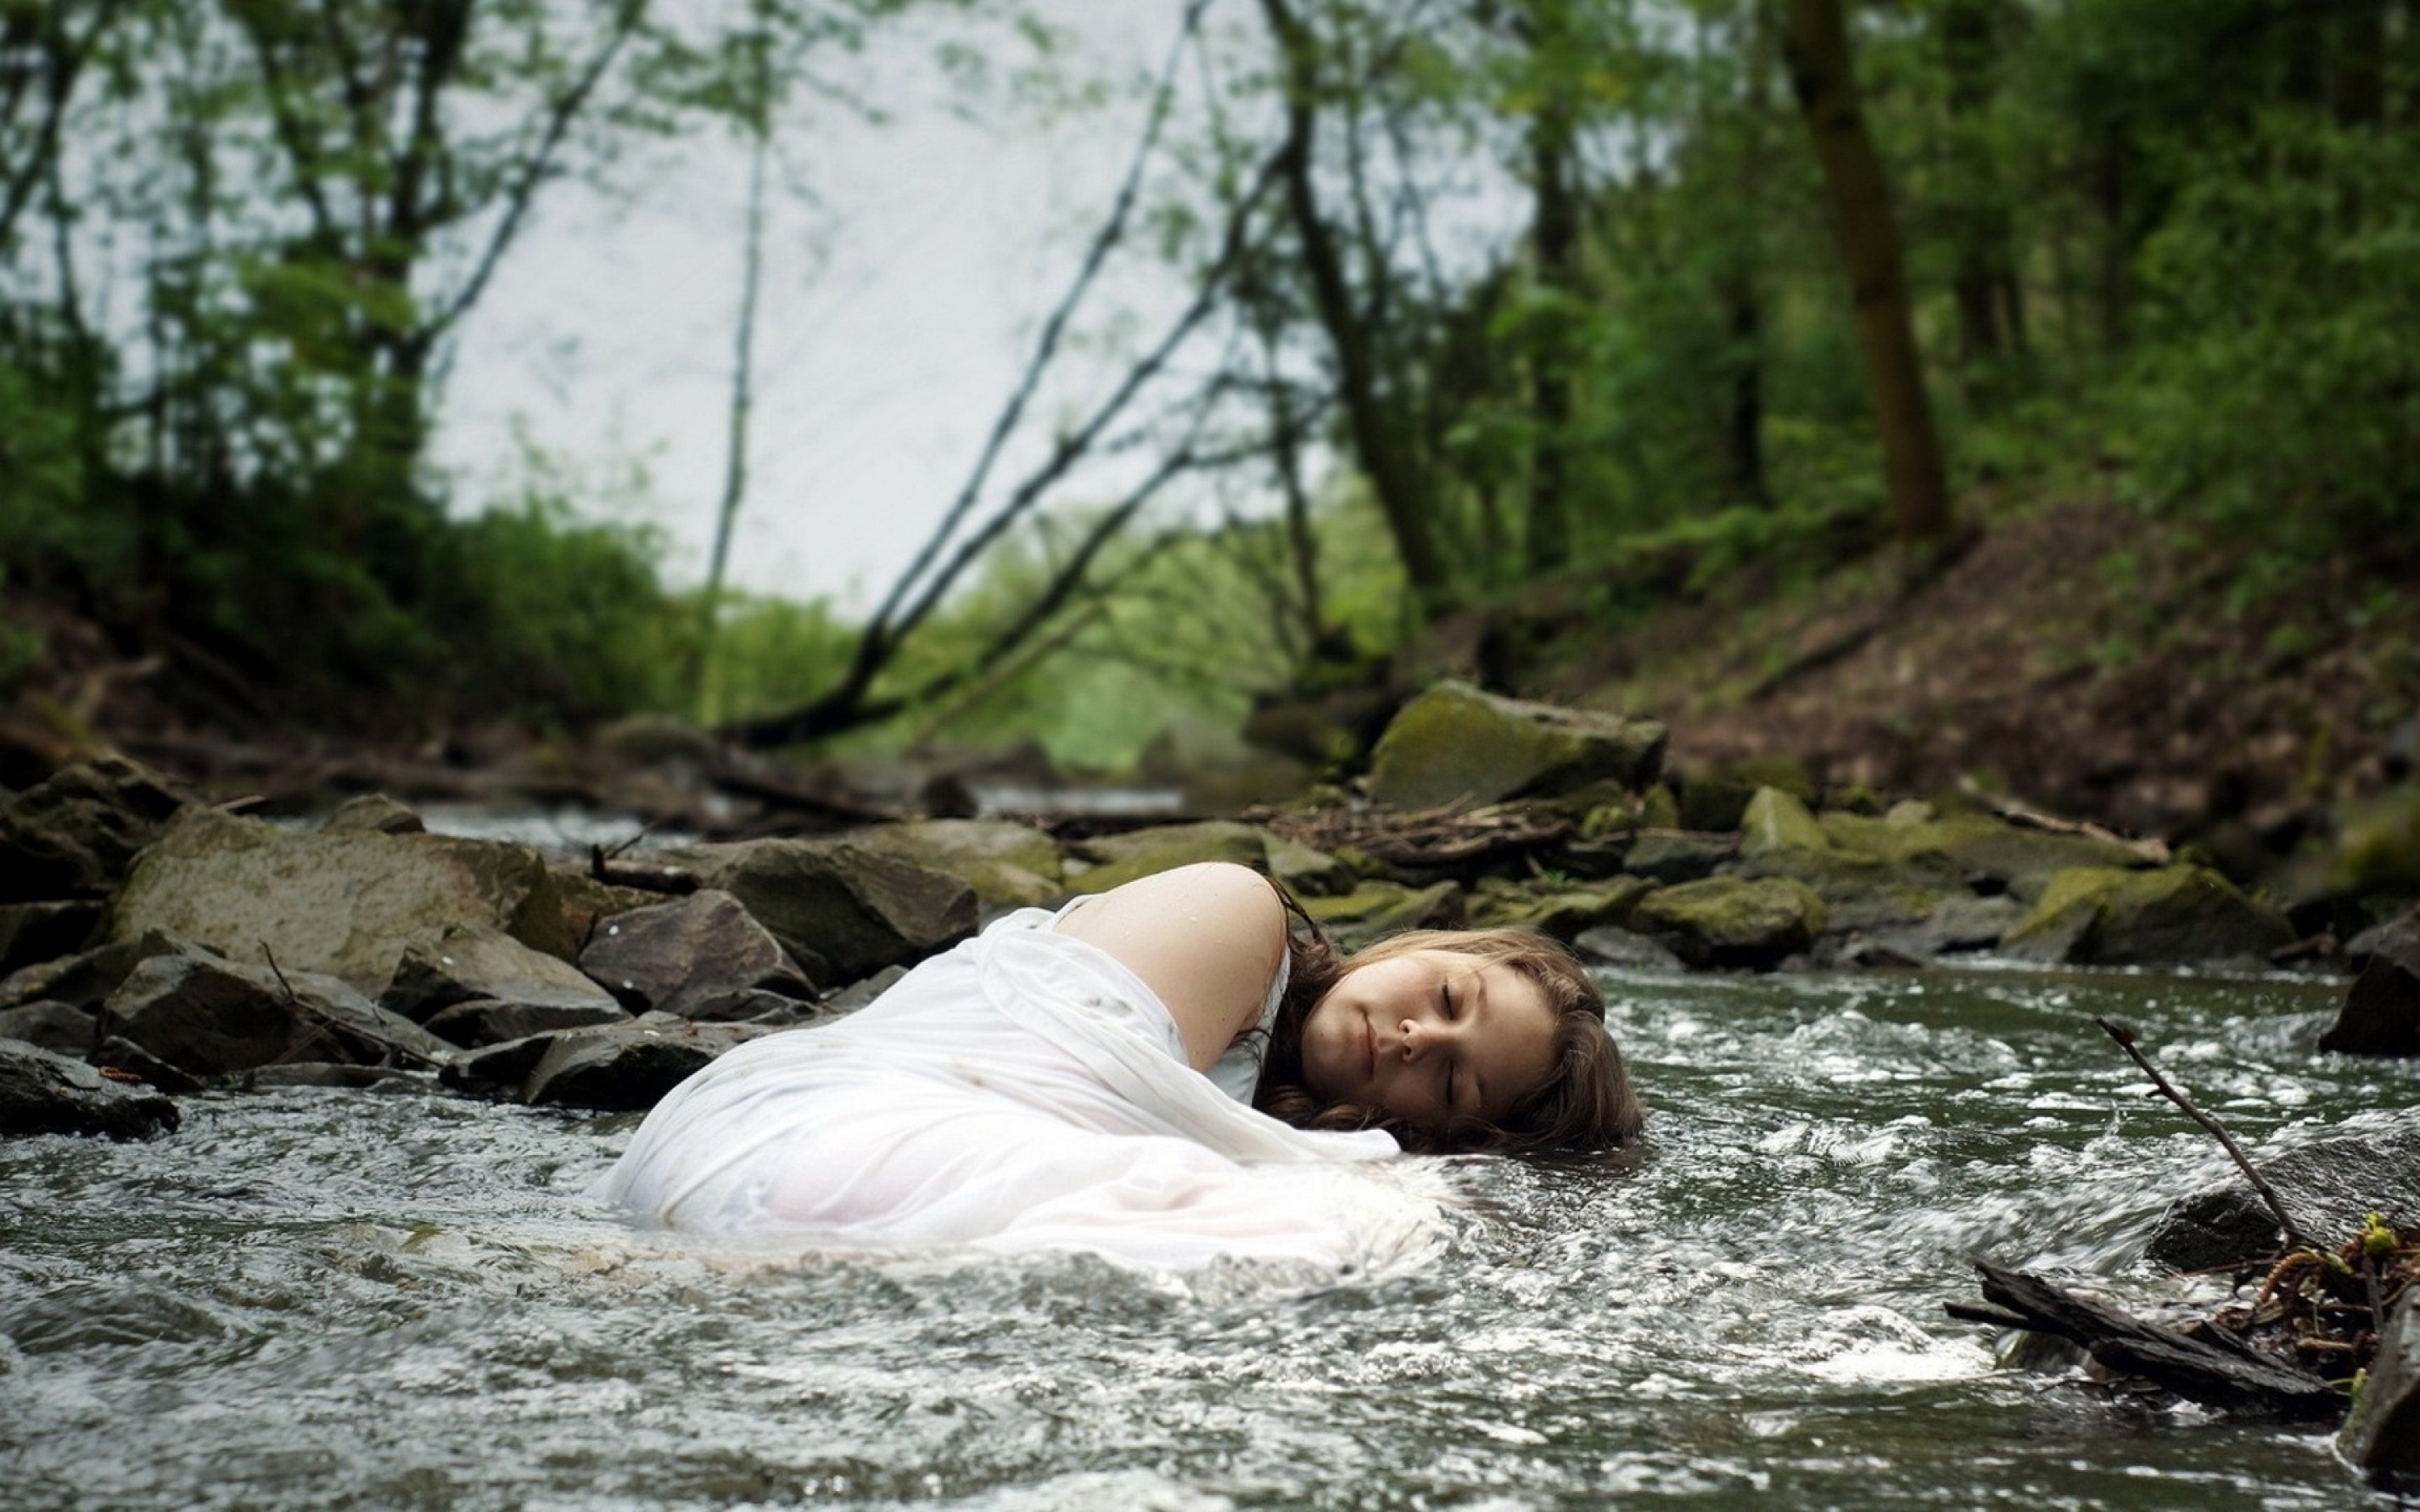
(607, 336)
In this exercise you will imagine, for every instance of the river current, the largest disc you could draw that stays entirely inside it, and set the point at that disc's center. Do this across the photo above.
(324, 1299)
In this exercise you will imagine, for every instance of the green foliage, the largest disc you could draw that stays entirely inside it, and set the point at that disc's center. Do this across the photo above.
(772, 654)
(2280, 397)
(558, 615)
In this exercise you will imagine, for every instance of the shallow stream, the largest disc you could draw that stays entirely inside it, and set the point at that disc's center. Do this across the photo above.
(319, 1299)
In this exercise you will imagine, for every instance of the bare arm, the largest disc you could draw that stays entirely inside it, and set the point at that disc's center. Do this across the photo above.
(1207, 938)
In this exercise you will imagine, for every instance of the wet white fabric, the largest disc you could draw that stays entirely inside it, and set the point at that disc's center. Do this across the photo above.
(1022, 1092)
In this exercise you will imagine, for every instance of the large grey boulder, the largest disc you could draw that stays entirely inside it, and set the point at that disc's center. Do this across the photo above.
(1008, 864)
(186, 1019)
(1455, 742)
(75, 833)
(1733, 921)
(2382, 1435)
(46, 1093)
(344, 902)
(702, 957)
(2100, 915)
(2381, 1013)
(628, 1065)
(465, 966)
(851, 909)
(2326, 1186)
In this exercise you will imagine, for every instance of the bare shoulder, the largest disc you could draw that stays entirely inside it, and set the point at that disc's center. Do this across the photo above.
(1206, 938)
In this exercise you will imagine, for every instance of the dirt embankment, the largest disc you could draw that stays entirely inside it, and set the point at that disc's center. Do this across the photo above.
(2077, 658)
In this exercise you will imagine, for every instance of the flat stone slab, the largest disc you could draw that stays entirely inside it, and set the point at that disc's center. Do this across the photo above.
(345, 902)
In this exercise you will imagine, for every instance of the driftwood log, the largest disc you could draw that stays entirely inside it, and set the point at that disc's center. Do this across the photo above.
(2212, 1366)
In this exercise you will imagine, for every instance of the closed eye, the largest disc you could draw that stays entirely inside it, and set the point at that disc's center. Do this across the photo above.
(1444, 996)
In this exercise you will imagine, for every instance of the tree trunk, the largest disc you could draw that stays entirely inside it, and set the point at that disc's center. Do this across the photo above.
(1740, 286)
(1815, 43)
(1978, 220)
(735, 460)
(1380, 440)
(1554, 243)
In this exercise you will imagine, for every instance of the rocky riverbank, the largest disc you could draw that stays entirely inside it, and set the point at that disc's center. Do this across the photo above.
(166, 941)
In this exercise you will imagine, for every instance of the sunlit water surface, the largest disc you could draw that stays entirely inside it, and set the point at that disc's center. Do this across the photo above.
(348, 1300)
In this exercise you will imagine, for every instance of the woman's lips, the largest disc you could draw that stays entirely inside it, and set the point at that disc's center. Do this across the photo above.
(1369, 1049)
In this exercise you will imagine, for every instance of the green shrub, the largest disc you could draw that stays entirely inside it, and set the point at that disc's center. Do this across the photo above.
(2278, 398)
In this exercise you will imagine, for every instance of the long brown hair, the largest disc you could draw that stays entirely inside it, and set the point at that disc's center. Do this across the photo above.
(1586, 1103)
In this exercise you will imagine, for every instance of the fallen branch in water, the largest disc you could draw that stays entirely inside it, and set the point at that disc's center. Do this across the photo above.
(2295, 1237)
(2214, 1366)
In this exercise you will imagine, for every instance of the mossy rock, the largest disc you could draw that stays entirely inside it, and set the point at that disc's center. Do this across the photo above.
(1308, 871)
(1008, 864)
(1714, 800)
(1718, 796)
(344, 902)
(2103, 915)
(1375, 910)
(2377, 845)
(1121, 859)
(1560, 909)
(1987, 852)
(1456, 742)
(1778, 821)
(1674, 856)
(1733, 921)
(1659, 808)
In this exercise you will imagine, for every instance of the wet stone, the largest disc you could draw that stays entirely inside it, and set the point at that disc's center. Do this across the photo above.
(2382, 1435)
(701, 957)
(1610, 945)
(487, 1020)
(46, 1093)
(857, 910)
(631, 1065)
(61, 1028)
(2327, 1187)
(2381, 1016)
(203, 1018)
(481, 966)
(1675, 856)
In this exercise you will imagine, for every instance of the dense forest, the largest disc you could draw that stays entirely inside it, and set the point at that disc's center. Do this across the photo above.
(1672, 354)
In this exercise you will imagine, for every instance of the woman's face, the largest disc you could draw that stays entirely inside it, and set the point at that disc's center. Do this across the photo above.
(1434, 1037)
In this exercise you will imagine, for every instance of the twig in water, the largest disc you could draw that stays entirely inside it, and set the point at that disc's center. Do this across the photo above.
(2295, 1237)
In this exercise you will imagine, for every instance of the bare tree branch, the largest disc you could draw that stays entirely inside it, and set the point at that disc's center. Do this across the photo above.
(2125, 1038)
(1113, 231)
(537, 167)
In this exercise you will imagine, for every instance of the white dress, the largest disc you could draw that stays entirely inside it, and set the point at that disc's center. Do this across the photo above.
(1022, 1092)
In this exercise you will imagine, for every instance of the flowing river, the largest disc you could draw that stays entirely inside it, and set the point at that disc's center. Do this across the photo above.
(322, 1299)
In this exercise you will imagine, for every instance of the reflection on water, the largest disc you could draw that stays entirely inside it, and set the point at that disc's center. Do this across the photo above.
(327, 1300)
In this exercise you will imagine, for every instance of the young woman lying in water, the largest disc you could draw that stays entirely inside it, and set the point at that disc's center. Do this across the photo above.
(1160, 1072)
